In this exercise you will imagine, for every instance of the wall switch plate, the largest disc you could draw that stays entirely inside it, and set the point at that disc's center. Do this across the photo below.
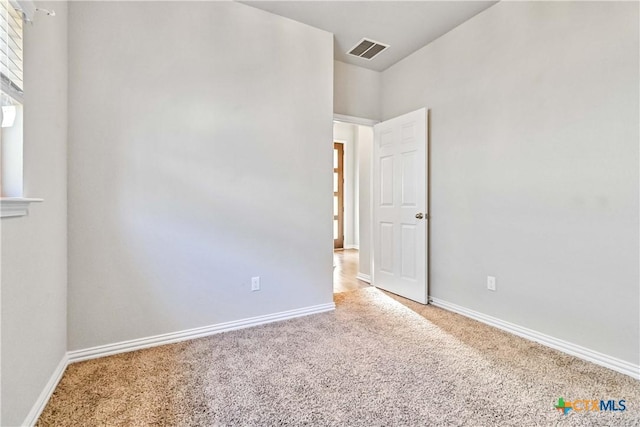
(491, 283)
(255, 283)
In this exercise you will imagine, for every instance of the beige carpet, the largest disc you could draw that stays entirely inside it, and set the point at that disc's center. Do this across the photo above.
(372, 362)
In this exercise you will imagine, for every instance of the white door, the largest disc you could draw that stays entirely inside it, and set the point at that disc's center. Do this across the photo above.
(400, 205)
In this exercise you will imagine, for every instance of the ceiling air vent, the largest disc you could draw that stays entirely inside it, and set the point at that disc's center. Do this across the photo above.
(367, 49)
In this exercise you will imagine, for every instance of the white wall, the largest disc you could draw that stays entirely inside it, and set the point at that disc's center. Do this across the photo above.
(34, 248)
(365, 147)
(356, 91)
(200, 155)
(534, 166)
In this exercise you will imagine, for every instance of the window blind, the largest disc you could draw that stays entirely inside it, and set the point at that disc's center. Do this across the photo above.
(11, 55)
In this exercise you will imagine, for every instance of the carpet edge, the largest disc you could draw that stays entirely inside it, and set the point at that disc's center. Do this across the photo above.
(188, 334)
(584, 353)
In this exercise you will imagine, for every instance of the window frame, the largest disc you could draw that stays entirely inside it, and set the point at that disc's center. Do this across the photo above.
(13, 15)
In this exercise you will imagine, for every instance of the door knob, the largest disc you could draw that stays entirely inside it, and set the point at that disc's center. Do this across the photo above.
(419, 215)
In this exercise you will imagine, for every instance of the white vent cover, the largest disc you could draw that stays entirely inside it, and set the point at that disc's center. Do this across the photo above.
(367, 49)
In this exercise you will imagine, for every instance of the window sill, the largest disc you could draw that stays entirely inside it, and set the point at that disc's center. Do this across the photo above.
(15, 206)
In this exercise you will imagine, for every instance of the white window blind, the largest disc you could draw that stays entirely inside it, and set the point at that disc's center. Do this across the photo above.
(11, 55)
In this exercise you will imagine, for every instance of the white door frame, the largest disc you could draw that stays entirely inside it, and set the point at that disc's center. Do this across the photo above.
(368, 122)
(354, 120)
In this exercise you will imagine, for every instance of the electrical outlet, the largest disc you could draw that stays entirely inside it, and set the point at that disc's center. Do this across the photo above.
(255, 283)
(491, 283)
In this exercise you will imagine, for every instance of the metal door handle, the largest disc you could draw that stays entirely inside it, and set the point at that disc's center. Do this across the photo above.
(419, 215)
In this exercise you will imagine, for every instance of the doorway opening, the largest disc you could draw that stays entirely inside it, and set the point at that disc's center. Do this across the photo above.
(345, 271)
(352, 148)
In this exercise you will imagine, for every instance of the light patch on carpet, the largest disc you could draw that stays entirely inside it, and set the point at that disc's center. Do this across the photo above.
(377, 360)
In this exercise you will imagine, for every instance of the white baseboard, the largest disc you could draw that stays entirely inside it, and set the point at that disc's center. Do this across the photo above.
(138, 344)
(173, 337)
(584, 353)
(46, 393)
(363, 277)
(351, 247)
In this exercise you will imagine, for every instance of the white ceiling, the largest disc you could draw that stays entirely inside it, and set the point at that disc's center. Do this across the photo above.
(404, 25)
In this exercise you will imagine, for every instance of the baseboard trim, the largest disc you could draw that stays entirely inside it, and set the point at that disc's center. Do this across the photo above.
(141, 343)
(584, 353)
(351, 247)
(173, 337)
(363, 277)
(46, 393)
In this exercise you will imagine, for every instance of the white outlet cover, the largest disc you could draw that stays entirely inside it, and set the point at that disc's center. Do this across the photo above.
(491, 283)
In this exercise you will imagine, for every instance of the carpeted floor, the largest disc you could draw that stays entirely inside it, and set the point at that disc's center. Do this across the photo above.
(372, 362)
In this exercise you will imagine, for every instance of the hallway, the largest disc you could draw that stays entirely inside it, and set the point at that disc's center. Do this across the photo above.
(345, 271)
